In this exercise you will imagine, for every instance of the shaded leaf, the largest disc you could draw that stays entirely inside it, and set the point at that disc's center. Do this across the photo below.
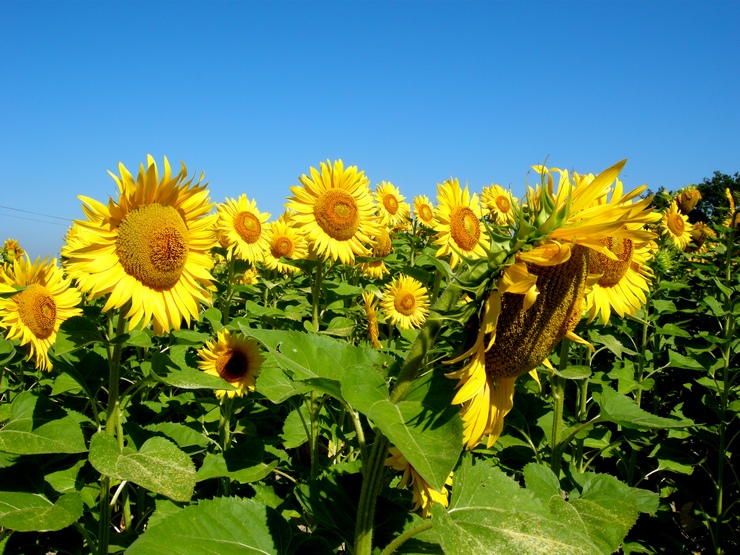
(33, 512)
(622, 410)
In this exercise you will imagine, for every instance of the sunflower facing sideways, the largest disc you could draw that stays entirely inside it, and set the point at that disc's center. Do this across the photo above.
(539, 296)
(424, 495)
(148, 249)
(392, 210)
(234, 358)
(242, 228)
(500, 204)
(33, 315)
(424, 210)
(405, 302)
(334, 209)
(457, 223)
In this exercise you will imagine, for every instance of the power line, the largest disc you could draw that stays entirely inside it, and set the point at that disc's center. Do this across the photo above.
(36, 213)
(33, 220)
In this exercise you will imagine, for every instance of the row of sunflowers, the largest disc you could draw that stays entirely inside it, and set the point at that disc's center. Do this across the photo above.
(476, 289)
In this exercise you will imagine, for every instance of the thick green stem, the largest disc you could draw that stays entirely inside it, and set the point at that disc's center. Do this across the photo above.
(640, 370)
(226, 301)
(316, 293)
(224, 435)
(558, 396)
(314, 407)
(372, 481)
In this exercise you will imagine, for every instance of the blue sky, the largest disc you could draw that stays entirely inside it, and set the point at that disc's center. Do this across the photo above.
(255, 93)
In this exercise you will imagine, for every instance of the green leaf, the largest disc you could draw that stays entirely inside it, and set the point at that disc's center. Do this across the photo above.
(167, 371)
(664, 306)
(213, 317)
(622, 410)
(7, 350)
(574, 372)
(294, 428)
(714, 305)
(340, 327)
(159, 465)
(139, 338)
(242, 463)
(75, 333)
(39, 426)
(672, 330)
(680, 361)
(188, 437)
(33, 512)
(227, 526)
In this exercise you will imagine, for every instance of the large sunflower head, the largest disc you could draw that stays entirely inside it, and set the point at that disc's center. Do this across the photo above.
(284, 241)
(423, 494)
(335, 210)
(234, 358)
(500, 204)
(424, 210)
(457, 223)
(242, 228)
(33, 315)
(676, 226)
(149, 248)
(392, 210)
(405, 302)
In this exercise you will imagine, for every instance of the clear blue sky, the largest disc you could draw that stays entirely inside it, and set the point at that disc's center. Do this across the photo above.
(254, 93)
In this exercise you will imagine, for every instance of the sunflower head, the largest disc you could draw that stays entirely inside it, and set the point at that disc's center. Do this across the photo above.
(234, 358)
(392, 210)
(11, 251)
(242, 228)
(284, 241)
(405, 302)
(687, 198)
(676, 226)
(33, 315)
(499, 203)
(424, 496)
(700, 232)
(424, 210)
(733, 218)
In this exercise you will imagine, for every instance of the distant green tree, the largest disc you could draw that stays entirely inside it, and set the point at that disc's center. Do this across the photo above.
(712, 207)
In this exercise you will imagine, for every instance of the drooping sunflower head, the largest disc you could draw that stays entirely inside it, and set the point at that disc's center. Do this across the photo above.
(393, 211)
(11, 251)
(424, 496)
(33, 315)
(500, 204)
(687, 198)
(370, 303)
(382, 247)
(732, 219)
(457, 223)
(424, 210)
(676, 226)
(234, 358)
(405, 302)
(242, 228)
(700, 232)
(284, 241)
(149, 248)
(335, 210)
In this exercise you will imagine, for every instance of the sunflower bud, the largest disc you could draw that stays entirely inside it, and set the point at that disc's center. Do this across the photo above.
(687, 199)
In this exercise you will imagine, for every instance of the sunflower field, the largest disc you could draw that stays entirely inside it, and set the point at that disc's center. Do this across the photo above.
(472, 374)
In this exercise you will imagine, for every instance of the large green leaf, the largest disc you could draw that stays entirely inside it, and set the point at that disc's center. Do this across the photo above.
(185, 377)
(622, 410)
(38, 426)
(33, 512)
(159, 465)
(75, 333)
(227, 526)
(242, 463)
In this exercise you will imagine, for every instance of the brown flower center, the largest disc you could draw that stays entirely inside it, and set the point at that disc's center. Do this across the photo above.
(337, 214)
(232, 365)
(464, 228)
(405, 303)
(37, 310)
(675, 224)
(426, 213)
(281, 246)
(391, 204)
(153, 244)
(248, 226)
(503, 203)
(613, 270)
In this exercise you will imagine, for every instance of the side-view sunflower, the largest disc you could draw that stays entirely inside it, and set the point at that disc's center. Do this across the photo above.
(382, 247)
(370, 302)
(423, 494)
(499, 203)
(676, 226)
(335, 210)
(424, 210)
(284, 241)
(700, 232)
(33, 315)
(457, 223)
(732, 220)
(148, 249)
(234, 358)
(242, 227)
(405, 302)
(393, 211)
(687, 199)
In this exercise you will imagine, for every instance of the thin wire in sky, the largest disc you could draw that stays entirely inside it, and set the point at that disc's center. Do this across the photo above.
(35, 220)
(35, 213)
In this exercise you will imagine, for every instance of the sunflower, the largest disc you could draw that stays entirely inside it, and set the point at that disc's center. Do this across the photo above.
(392, 210)
(676, 226)
(33, 315)
(729, 221)
(150, 248)
(251, 276)
(700, 232)
(382, 247)
(335, 209)
(457, 223)
(500, 203)
(234, 358)
(687, 198)
(11, 251)
(424, 210)
(423, 494)
(370, 302)
(405, 302)
(242, 227)
(284, 241)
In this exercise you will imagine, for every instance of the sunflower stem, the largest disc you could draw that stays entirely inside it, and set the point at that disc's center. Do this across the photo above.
(400, 540)
(558, 396)
(372, 480)
(316, 292)
(640, 370)
(226, 300)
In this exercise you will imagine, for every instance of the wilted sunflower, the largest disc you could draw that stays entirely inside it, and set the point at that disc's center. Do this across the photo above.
(382, 247)
(405, 302)
(234, 358)
(284, 241)
(700, 232)
(424, 210)
(676, 226)
(457, 223)
(33, 315)
(242, 226)
(423, 494)
(499, 203)
(150, 248)
(392, 210)
(335, 210)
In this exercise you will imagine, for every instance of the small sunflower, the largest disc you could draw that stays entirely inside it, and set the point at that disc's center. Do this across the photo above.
(424, 210)
(242, 226)
(687, 198)
(370, 304)
(11, 251)
(457, 223)
(729, 221)
(149, 249)
(700, 232)
(335, 210)
(500, 204)
(251, 276)
(676, 226)
(382, 247)
(284, 241)
(33, 315)
(234, 358)
(405, 302)
(392, 209)
(423, 494)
